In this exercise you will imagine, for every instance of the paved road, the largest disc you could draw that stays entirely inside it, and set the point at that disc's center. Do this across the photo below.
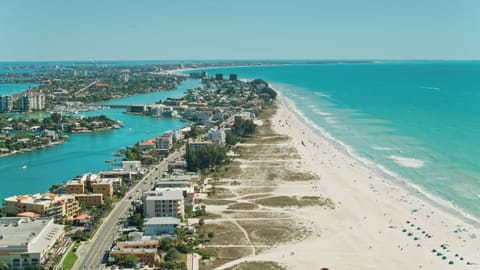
(106, 234)
(86, 87)
(193, 261)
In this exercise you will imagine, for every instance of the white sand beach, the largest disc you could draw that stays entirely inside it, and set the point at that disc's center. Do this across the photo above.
(376, 224)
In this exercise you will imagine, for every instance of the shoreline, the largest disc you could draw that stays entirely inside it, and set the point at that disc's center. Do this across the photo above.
(28, 150)
(378, 169)
(373, 192)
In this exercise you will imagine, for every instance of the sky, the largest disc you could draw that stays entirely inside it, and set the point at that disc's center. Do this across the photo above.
(32, 30)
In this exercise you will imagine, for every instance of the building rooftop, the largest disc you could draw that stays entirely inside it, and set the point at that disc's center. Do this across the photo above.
(161, 221)
(105, 180)
(81, 179)
(164, 194)
(29, 235)
(45, 199)
(29, 214)
(136, 244)
(148, 142)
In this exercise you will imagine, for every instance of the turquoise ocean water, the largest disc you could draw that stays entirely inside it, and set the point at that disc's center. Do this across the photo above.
(417, 122)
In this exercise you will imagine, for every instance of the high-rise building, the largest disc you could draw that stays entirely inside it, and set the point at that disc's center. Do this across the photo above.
(33, 101)
(6, 104)
(219, 76)
(233, 77)
(164, 203)
(165, 141)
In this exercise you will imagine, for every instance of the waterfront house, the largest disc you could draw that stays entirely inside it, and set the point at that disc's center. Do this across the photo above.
(147, 145)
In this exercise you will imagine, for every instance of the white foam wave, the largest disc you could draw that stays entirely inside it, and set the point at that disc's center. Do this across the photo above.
(430, 88)
(407, 162)
(381, 148)
(330, 120)
(320, 94)
(317, 111)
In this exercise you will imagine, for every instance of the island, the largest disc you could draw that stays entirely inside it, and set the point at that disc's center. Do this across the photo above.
(24, 135)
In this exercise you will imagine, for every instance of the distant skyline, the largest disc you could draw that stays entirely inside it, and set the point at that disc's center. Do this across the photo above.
(54, 30)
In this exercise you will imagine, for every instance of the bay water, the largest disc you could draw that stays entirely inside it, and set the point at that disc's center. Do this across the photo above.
(85, 152)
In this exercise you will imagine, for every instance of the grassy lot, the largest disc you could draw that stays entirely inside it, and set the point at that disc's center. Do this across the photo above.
(270, 232)
(257, 266)
(242, 206)
(228, 170)
(71, 257)
(220, 193)
(224, 255)
(225, 233)
(255, 214)
(217, 202)
(252, 190)
(256, 196)
(286, 201)
(299, 176)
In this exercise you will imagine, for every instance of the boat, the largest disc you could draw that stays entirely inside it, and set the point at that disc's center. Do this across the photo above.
(24, 167)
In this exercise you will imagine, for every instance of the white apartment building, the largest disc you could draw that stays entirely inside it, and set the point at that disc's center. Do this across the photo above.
(164, 203)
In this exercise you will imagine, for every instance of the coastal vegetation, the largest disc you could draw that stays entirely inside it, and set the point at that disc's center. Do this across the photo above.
(257, 266)
(207, 157)
(240, 129)
(291, 201)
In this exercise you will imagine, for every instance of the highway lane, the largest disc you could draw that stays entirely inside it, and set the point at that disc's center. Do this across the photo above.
(106, 233)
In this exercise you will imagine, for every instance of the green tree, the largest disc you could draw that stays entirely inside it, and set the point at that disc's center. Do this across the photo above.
(172, 254)
(165, 244)
(205, 157)
(130, 260)
(243, 128)
(138, 220)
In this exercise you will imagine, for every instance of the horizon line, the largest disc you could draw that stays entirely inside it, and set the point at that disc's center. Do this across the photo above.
(246, 60)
